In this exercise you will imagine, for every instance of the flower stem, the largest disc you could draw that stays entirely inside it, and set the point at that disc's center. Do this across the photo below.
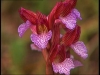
(49, 69)
(45, 54)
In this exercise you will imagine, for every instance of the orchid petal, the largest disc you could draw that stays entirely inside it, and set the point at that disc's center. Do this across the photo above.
(28, 15)
(77, 13)
(80, 49)
(76, 62)
(71, 36)
(70, 20)
(41, 40)
(34, 47)
(23, 27)
(63, 67)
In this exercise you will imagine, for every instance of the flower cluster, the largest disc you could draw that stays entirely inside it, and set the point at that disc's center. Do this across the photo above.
(46, 35)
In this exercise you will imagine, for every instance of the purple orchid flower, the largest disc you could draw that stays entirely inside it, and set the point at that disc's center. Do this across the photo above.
(46, 36)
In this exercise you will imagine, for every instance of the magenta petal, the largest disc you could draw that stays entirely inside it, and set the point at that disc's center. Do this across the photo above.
(23, 27)
(77, 13)
(34, 47)
(41, 41)
(63, 67)
(77, 63)
(70, 19)
(80, 49)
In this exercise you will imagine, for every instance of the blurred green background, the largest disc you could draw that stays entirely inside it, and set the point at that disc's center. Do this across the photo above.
(16, 54)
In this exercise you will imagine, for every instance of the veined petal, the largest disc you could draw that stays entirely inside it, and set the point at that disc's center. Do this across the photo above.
(77, 13)
(58, 53)
(41, 40)
(68, 6)
(70, 20)
(53, 52)
(80, 49)
(28, 15)
(51, 16)
(63, 67)
(71, 36)
(76, 62)
(56, 34)
(23, 27)
(61, 53)
(34, 47)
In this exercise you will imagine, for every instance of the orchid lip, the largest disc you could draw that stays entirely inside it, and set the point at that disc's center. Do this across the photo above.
(70, 19)
(41, 40)
(80, 49)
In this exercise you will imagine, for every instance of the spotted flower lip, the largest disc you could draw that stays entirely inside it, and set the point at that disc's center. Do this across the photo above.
(65, 66)
(41, 40)
(70, 19)
(80, 49)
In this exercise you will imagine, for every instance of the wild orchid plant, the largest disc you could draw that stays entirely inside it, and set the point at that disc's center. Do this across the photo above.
(48, 39)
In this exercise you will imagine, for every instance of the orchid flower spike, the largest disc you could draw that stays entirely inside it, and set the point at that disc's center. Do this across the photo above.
(47, 38)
